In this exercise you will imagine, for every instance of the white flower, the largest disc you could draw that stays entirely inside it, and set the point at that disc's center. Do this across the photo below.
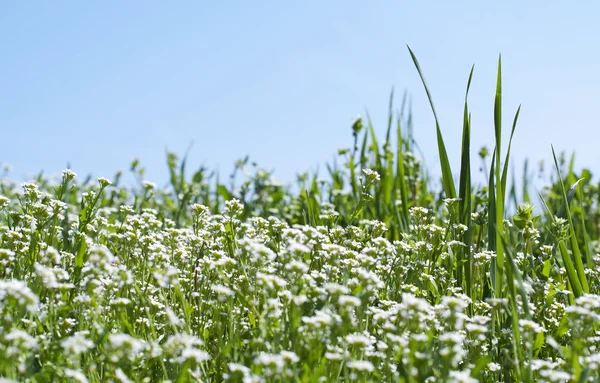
(349, 301)
(104, 182)
(528, 325)
(361, 365)
(21, 339)
(68, 174)
(371, 175)
(194, 354)
(120, 375)
(19, 292)
(3, 202)
(75, 375)
(76, 344)
(222, 292)
(462, 377)
(290, 356)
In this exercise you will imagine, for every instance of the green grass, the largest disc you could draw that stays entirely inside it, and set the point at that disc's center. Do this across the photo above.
(369, 273)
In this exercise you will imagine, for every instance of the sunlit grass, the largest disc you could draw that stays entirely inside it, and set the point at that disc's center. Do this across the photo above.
(371, 273)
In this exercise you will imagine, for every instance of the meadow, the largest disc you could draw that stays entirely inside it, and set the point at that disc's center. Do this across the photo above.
(369, 273)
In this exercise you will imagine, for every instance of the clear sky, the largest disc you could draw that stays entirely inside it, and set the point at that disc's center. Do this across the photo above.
(98, 83)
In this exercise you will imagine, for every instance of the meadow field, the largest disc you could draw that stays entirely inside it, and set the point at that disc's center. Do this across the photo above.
(368, 273)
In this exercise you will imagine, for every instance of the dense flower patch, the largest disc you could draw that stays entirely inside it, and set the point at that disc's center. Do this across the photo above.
(94, 291)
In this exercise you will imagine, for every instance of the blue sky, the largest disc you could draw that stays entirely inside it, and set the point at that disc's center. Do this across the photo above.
(96, 84)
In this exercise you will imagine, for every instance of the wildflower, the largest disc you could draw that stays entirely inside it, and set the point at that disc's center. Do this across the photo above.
(274, 361)
(121, 376)
(75, 375)
(4, 201)
(348, 301)
(76, 344)
(200, 210)
(21, 341)
(530, 326)
(233, 207)
(104, 182)
(17, 291)
(361, 365)
(462, 377)
(290, 356)
(371, 175)
(68, 175)
(222, 292)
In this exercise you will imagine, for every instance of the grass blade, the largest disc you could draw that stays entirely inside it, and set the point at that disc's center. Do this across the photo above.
(499, 219)
(506, 160)
(447, 179)
(573, 237)
(465, 196)
(575, 285)
(401, 182)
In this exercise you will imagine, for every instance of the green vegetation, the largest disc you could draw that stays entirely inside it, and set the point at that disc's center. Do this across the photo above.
(369, 274)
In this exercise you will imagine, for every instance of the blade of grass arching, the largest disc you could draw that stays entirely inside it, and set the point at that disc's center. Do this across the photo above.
(499, 219)
(586, 244)
(562, 210)
(506, 160)
(575, 285)
(464, 193)
(447, 179)
(401, 183)
(573, 237)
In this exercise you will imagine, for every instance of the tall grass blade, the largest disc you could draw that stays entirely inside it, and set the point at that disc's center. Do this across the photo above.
(499, 219)
(465, 197)
(573, 237)
(506, 160)
(586, 241)
(574, 284)
(401, 182)
(491, 217)
(447, 179)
